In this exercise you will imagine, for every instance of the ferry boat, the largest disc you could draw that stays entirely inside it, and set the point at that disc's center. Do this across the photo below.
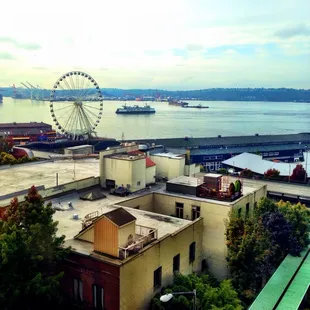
(178, 103)
(135, 110)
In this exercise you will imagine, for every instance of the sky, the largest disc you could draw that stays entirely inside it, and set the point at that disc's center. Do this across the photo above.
(162, 44)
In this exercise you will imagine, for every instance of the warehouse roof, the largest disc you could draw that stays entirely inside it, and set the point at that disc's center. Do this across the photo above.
(188, 142)
(24, 125)
(170, 155)
(260, 166)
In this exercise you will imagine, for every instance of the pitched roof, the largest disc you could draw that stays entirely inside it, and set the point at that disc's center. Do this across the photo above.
(94, 195)
(120, 217)
(259, 165)
(149, 162)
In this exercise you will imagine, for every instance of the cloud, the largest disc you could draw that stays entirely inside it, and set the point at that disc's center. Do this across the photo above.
(7, 56)
(194, 47)
(293, 31)
(39, 68)
(22, 45)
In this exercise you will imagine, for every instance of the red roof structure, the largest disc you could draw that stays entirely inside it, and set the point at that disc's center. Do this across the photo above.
(149, 162)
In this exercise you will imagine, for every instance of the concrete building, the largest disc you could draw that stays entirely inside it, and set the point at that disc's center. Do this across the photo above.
(182, 202)
(121, 257)
(211, 151)
(127, 167)
(168, 165)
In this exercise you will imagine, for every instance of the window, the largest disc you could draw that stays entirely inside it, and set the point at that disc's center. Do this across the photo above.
(247, 209)
(176, 263)
(179, 209)
(255, 205)
(192, 252)
(138, 183)
(98, 297)
(157, 277)
(239, 212)
(77, 289)
(195, 212)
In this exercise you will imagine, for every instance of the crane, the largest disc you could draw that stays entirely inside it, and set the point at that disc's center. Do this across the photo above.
(28, 88)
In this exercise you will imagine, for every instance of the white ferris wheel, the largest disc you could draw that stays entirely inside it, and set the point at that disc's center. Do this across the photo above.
(76, 105)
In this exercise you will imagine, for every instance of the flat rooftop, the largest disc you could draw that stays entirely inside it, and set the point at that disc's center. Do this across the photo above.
(125, 156)
(21, 177)
(245, 191)
(70, 227)
(169, 155)
(186, 181)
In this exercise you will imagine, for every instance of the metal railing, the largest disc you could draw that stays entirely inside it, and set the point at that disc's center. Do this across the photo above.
(145, 235)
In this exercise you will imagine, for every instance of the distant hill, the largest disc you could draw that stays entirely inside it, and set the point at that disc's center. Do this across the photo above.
(211, 94)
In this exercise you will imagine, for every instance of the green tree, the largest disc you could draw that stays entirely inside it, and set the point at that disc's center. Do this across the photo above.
(210, 294)
(258, 244)
(29, 252)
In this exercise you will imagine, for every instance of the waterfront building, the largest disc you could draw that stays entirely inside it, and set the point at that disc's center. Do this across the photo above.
(213, 150)
(189, 198)
(121, 257)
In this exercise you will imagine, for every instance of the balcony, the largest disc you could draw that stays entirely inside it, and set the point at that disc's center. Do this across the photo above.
(144, 236)
(89, 219)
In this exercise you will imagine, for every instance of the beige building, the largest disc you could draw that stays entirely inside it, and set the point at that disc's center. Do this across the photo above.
(214, 213)
(127, 167)
(127, 255)
(168, 165)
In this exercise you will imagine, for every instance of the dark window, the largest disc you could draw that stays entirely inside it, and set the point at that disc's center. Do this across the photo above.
(77, 289)
(179, 210)
(239, 212)
(195, 212)
(192, 252)
(176, 263)
(247, 209)
(157, 277)
(98, 297)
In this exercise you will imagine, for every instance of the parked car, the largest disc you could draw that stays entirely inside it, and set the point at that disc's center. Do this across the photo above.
(120, 191)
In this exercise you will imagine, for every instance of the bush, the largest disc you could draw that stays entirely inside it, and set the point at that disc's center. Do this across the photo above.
(246, 173)
(272, 174)
(8, 159)
(299, 174)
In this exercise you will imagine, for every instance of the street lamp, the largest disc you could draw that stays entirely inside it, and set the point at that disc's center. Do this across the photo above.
(167, 297)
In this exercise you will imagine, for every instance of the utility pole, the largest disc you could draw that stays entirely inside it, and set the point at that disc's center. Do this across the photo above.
(56, 178)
